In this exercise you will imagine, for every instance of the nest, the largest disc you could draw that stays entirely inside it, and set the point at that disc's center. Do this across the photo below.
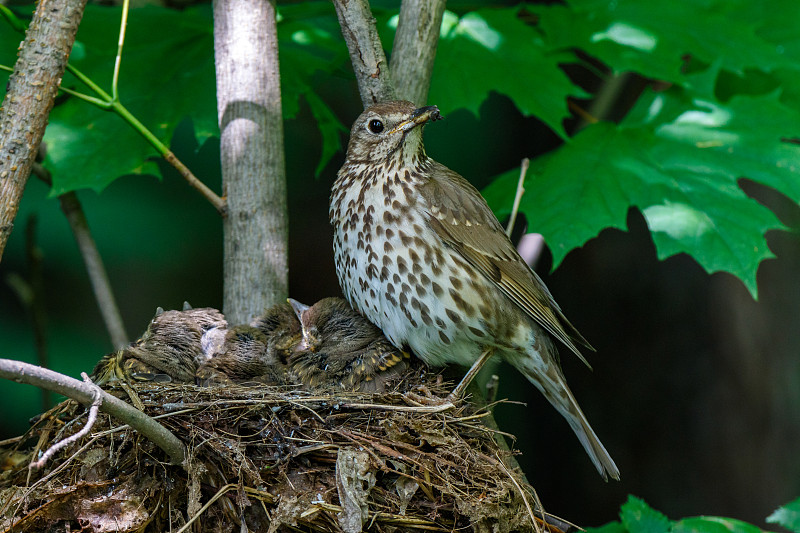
(269, 459)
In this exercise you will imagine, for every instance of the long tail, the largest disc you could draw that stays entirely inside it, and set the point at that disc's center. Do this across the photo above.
(549, 380)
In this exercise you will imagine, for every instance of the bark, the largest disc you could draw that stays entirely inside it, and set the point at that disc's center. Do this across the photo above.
(366, 52)
(414, 48)
(253, 167)
(32, 89)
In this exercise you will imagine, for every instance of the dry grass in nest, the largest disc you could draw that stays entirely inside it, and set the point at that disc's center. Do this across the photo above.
(275, 459)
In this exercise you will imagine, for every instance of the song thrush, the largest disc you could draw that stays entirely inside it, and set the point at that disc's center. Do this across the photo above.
(340, 348)
(257, 352)
(421, 255)
(169, 350)
(241, 354)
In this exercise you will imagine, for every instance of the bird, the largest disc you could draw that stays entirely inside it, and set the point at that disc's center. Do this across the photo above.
(251, 353)
(170, 349)
(420, 254)
(342, 349)
(241, 354)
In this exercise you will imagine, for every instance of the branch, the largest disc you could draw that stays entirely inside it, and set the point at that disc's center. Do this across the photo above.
(95, 268)
(366, 52)
(32, 89)
(98, 277)
(84, 393)
(253, 167)
(414, 48)
(523, 170)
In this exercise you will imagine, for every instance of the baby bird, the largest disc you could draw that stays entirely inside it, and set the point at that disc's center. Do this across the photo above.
(169, 350)
(341, 349)
(251, 353)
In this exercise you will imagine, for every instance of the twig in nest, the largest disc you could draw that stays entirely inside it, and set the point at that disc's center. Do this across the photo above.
(534, 522)
(220, 493)
(401, 408)
(93, 410)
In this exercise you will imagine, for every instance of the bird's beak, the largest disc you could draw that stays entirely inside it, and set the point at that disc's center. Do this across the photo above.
(299, 308)
(418, 117)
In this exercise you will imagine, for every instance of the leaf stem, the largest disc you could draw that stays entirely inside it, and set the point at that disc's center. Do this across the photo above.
(118, 60)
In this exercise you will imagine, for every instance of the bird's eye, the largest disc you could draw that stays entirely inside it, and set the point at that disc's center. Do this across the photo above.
(375, 126)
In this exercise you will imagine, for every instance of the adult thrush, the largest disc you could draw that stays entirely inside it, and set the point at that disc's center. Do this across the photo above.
(341, 349)
(420, 254)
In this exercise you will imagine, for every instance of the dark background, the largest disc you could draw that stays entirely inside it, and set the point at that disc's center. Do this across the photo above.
(695, 385)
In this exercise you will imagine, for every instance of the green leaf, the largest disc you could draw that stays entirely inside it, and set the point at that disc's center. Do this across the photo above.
(677, 157)
(164, 80)
(310, 41)
(493, 50)
(638, 517)
(161, 81)
(656, 38)
(787, 516)
(713, 524)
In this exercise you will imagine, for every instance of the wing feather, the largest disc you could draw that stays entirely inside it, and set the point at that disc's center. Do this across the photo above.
(460, 216)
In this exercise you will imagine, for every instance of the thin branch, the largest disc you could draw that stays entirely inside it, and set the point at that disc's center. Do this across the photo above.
(366, 52)
(31, 294)
(523, 170)
(98, 277)
(101, 286)
(97, 401)
(534, 522)
(32, 89)
(414, 48)
(72, 388)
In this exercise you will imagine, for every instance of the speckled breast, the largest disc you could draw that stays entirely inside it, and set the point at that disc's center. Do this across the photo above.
(391, 269)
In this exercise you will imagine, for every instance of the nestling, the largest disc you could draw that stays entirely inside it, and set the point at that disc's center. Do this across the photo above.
(169, 350)
(341, 349)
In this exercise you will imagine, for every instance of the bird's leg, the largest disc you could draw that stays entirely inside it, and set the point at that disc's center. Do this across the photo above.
(470, 375)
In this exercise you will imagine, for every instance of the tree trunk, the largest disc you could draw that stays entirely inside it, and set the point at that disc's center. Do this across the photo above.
(414, 48)
(32, 89)
(369, 61)
(253, 167)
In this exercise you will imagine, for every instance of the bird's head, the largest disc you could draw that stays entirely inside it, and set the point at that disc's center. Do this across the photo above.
(311, 339)
(390, 132)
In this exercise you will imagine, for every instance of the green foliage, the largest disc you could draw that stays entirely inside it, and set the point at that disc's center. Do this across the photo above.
(638, 517)
(787, 516)
(729, 109)
(89, 147)
(467, 67)
(680, 152)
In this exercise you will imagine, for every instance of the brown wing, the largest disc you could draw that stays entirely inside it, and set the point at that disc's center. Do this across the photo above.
(460, 216)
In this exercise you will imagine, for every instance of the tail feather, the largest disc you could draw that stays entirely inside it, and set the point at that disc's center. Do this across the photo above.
(597, 452)
(549, 380)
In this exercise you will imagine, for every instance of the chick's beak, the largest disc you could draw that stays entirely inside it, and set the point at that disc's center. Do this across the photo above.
(418, 117)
